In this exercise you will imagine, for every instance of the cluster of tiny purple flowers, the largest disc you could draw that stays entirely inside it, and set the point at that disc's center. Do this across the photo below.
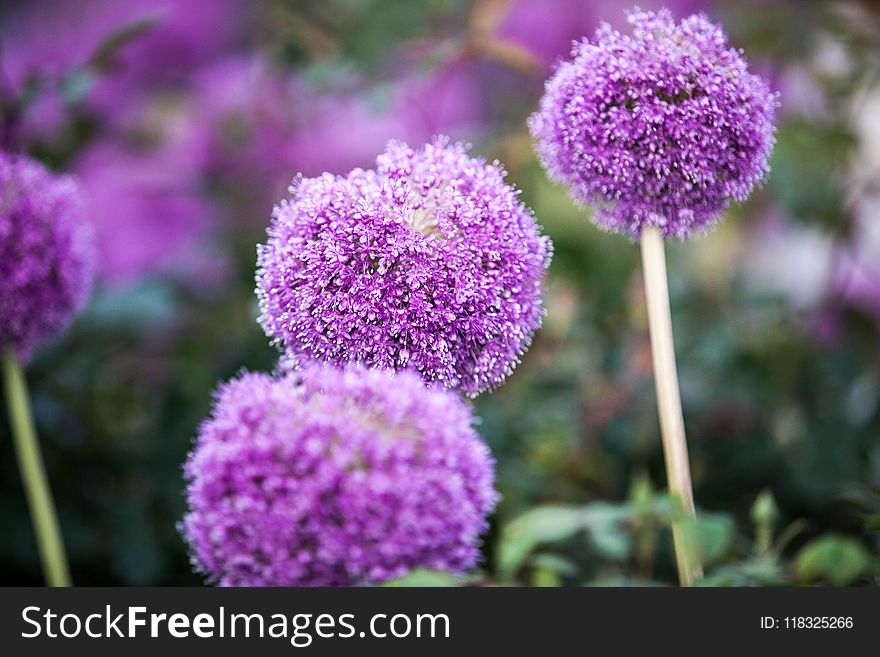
(335, 477)
(429, 262)
(661, 128)
(47, 262)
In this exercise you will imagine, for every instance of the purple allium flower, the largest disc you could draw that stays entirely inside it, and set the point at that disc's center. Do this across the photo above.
(335, 478)
(246, 110)
(430, 262)
(149, 215)
(662, 128)
(46, 254)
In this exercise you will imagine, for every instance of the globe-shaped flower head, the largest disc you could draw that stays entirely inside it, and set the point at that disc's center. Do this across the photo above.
(429, 262)
(332, 477)
(46, 254)
(661, 128)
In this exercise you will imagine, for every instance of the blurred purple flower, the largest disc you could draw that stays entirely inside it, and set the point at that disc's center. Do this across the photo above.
(342, 131)
(662, 128)
(46, 254)
(430, 262)
(820, 276)
(547, 28)
(149, 214)
(858, 281)
(46, 40)
(802, 91)
(261, 125)
(246, 113)
(267, 123)
(802, 276)
(857, 275)
(448, 99)
(335, 478)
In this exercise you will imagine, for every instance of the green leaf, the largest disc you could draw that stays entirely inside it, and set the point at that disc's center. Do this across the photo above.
(711, 535)
(839, 560)
(542, 525)
(606, 532)
(555, 564)
(760, 571)
(424, 578)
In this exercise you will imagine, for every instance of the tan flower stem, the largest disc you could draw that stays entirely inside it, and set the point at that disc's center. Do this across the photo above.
(33, 474)
(669, 400)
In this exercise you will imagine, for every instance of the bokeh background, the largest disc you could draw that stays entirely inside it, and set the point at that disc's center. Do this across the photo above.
(185, 120)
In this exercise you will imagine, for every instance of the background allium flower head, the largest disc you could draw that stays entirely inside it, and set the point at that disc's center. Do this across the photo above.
(429, 262)
(335, 477)
(46, 253)
(46, 39)
(412, 105)
(662, 128)
(547, 27)
(148, 214)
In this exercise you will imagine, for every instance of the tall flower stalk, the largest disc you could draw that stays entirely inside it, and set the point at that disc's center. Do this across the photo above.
(659, 130)
(675, 451)
(33, 474)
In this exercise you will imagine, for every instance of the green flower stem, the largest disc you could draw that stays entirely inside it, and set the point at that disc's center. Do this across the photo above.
(33, 473)
(675, 450)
